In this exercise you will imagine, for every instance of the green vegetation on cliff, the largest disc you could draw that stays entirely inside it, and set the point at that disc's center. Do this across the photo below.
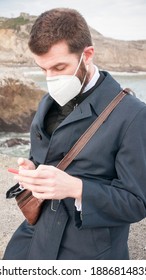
(14, 23)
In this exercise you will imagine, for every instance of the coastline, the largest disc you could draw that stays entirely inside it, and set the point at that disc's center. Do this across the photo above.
(11, 217)
(10, 68)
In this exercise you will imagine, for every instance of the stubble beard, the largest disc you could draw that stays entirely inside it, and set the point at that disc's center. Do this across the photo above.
(81, 75)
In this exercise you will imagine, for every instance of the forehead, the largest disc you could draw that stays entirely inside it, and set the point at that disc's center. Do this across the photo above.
(59, 53)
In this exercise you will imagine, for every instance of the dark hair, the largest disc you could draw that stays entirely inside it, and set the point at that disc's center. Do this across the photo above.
(61, 24)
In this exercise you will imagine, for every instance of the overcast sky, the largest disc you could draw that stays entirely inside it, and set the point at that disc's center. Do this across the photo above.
(120, 19)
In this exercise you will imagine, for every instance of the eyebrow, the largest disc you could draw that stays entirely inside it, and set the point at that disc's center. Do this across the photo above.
(54, 66)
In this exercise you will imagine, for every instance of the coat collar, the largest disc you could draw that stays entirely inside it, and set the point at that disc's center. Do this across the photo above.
(104, 93)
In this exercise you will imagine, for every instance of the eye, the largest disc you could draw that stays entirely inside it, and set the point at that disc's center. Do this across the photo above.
(60, 67)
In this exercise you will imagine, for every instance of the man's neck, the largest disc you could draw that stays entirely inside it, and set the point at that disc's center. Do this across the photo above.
(94, 78)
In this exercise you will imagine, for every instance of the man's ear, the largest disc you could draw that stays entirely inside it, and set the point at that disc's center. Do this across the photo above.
(88, 54)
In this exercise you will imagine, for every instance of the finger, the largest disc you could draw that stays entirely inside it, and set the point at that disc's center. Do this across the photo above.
(38, 173)
(38, 189)
(42, 195)
(47, 167)
(29, 173)
(21, 161)
(50, 182)
(25, 164)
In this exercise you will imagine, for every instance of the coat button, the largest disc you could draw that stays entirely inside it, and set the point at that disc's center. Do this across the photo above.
(38, 135)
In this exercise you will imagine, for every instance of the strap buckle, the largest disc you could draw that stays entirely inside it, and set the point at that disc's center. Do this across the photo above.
(54, 204)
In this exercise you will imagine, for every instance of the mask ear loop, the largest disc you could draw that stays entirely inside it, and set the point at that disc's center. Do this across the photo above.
(87, 67)
(79, 64)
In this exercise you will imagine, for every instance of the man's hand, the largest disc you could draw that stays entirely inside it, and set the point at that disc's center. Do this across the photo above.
(49, 182)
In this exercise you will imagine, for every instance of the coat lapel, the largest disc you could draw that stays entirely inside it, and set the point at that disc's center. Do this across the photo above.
(44, 107)
(103, 95)
(82, 111)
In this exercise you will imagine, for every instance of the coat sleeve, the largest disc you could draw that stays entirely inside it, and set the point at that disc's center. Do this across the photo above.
(123, 200)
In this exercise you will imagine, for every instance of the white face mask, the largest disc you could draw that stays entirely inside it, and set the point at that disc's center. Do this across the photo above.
(63, 88)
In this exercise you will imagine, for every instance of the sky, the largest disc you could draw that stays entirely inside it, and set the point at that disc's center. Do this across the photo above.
(119, 19)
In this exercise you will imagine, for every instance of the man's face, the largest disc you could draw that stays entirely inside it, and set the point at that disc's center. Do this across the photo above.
(59, 61)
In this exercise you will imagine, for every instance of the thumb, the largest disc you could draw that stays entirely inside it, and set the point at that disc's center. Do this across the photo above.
(23, 162)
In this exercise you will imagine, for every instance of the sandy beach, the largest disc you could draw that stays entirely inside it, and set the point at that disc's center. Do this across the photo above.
(11, 217)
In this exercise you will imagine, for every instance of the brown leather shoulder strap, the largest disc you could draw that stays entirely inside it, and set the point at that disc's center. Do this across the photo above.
(86, 136)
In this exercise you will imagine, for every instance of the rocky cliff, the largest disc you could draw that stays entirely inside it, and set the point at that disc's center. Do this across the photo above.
(118, 55)
(110, 54)
(18, 104)
(13, 48)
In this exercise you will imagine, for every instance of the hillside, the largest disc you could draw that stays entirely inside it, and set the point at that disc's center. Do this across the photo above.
(110, 54)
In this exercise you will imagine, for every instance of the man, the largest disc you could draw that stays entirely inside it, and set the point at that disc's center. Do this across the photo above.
(88, 207)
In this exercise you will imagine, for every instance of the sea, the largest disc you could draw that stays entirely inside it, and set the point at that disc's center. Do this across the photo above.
(135, 81)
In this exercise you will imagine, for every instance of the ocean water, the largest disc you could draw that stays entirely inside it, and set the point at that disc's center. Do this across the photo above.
(18, 150)
(135, 81)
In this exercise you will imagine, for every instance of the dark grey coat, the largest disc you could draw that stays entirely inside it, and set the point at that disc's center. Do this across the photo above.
(112, 167)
